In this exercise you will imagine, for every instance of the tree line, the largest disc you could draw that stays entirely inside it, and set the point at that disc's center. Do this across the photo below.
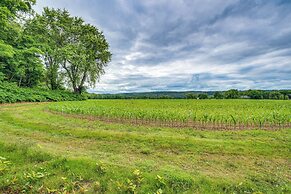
(248, 94)
(229, 94)
(253, 94)
(51, 50)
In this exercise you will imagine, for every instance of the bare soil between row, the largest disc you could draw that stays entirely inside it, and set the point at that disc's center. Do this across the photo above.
(177, 124)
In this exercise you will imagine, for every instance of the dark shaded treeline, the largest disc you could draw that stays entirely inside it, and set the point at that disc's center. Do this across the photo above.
(230, 94)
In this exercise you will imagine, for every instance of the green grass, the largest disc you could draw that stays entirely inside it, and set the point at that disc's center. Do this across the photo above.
(256, 113)
(42, 152)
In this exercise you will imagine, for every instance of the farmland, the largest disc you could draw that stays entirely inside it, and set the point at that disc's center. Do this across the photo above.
(50, 148)
(218, 114)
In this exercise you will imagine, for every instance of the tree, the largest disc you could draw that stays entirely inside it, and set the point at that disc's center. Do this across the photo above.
(255, 94)
(10, 14)
(275, 95)
(49, 31)
(25, 67)
(285, 93)
(202, 96)
(218, 95)
(88, 54)
(73, 50)
(191, 96)
(19, 58)
(231, 94)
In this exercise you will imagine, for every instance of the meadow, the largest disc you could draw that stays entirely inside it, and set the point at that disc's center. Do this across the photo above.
(64, 147)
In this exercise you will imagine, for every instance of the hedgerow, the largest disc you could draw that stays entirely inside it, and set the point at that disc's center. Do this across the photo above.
(11, 93)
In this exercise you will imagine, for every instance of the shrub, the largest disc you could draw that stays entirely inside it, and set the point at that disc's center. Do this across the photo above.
(11, 93)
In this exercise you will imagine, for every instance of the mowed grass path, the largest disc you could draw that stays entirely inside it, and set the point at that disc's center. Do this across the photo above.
(47, 153)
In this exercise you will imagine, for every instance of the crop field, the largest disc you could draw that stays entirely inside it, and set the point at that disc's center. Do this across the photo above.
(209, 114)
(89, 147)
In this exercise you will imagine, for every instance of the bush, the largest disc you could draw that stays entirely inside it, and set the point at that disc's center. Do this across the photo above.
(11, 93)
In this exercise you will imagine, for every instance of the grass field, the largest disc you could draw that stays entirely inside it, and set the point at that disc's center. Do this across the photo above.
(44, 152)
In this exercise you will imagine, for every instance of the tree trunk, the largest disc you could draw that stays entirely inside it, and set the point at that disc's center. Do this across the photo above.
(19, 84)
(78, 90)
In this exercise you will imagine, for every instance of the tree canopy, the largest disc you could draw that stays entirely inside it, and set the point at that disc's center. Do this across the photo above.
(19, 60)
(74, 52)
(54, 48)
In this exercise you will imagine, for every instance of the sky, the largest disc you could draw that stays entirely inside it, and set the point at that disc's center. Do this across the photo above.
(181, 45)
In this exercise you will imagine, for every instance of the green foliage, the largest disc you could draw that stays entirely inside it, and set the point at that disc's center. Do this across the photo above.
(160, 182)
(255, 94)
(100, 168)
(17, 6)
(275, 95)
(1, 77)
(231, 94)
(196, 96)
(11, 93)
(4, 165)
(80, 49)
(202, 96)
(131, 185)
(48, 31)
(53, 47)
(19, 58)
(191, 96)
(6, 51)
(25, 68)
(179, 182)
(218, 95)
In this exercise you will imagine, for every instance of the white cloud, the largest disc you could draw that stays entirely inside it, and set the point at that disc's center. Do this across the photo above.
(161, 45)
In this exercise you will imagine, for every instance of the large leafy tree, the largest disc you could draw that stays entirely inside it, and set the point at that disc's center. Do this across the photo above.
(19, 59)
(87, 53)
(231, 94)
(49, 31)
(71, 48)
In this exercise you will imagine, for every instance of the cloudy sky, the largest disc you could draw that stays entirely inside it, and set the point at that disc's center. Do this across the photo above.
(190, 44)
